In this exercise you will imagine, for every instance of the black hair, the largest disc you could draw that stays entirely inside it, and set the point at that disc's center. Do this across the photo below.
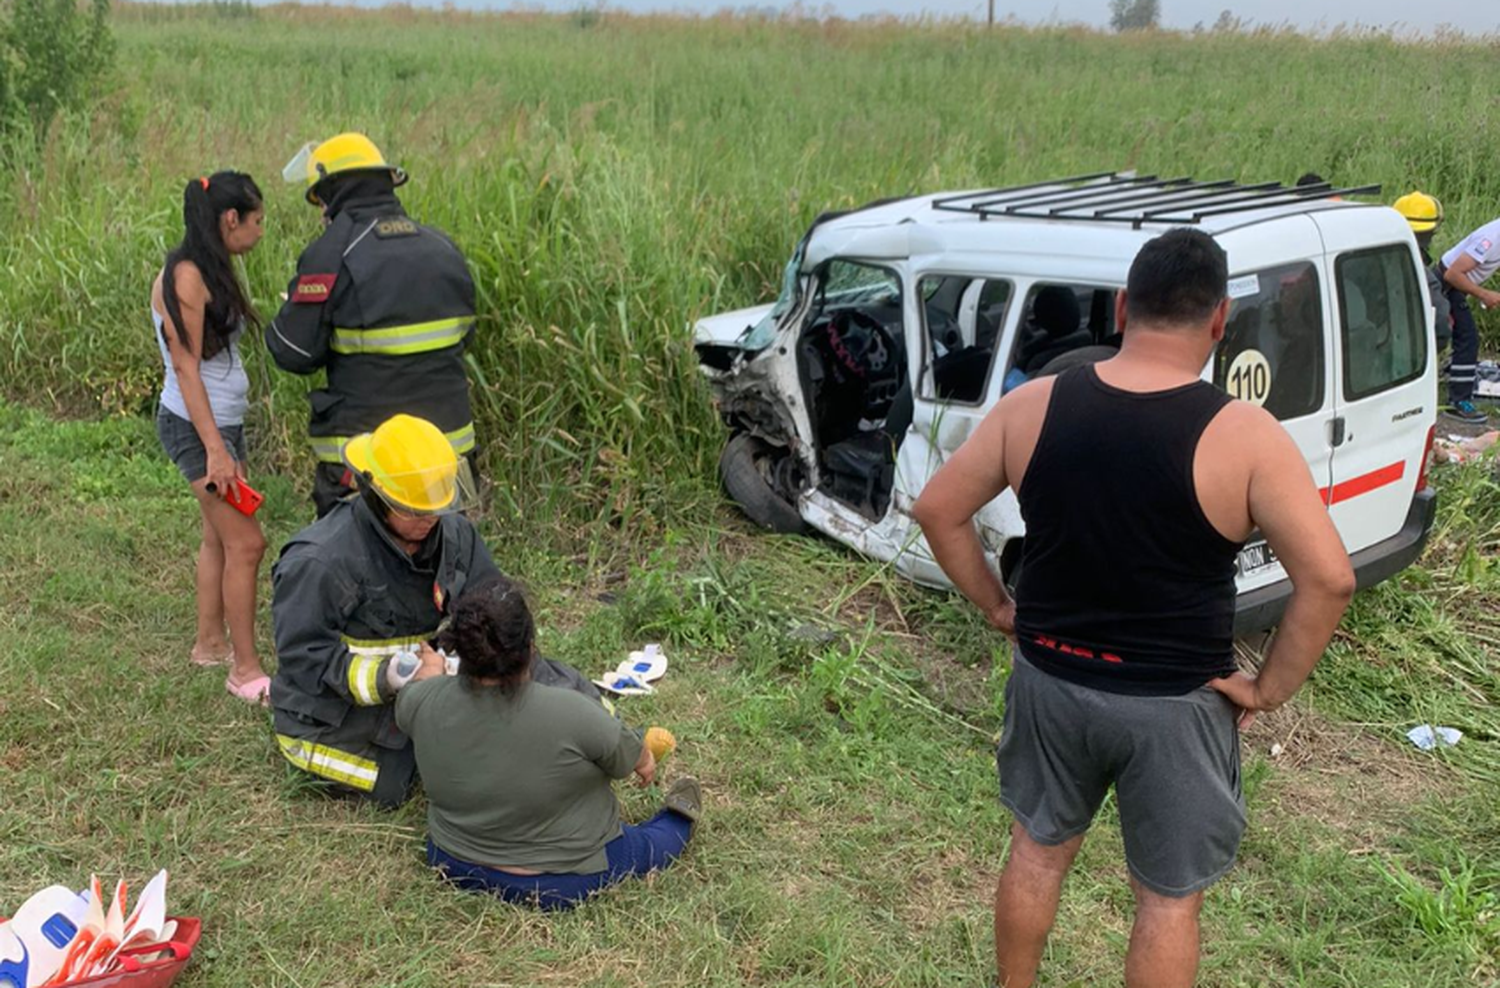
(1310, 178)
(493, 633)
(1177, 279)
(204, 200)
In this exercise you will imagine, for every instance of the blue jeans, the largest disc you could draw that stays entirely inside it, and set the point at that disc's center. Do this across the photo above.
(638, 850)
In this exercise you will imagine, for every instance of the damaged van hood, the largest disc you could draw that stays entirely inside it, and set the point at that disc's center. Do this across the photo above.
(734, 329)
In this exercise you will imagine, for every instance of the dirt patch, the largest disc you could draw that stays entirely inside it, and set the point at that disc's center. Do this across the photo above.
(1343, 776)
(941, 887)
(961, 689)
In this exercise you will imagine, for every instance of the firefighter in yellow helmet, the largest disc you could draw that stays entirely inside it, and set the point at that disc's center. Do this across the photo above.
(384, 303)
(358, 597)
(1424, 214)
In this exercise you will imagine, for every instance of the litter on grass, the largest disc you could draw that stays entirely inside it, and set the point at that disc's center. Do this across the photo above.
(634, 676)
(1427, 737)
(1462, 449)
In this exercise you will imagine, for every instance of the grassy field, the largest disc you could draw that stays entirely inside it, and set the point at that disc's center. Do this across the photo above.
(611, 179)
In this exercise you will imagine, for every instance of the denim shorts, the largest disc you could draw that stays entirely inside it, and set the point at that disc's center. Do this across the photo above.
(1174, 762)
(184, 448)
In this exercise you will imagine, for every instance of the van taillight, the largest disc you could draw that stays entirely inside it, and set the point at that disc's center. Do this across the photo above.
(1426, 459)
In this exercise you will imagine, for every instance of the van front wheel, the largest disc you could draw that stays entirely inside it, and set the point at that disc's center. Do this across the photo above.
(746, 466)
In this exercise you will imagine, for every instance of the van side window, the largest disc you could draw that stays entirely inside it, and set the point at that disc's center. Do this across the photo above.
(1061, 319)
(1273, 351)
(1380, 308)
(963, 317)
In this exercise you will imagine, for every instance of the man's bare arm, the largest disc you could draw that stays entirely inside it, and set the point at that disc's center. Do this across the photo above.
(1285, 506)
(974, 476)
(1458, 277)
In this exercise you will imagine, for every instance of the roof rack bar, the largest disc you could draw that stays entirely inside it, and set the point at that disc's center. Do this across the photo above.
(1256, 195)
(1124, 197)
(1014, 198)
(1088, 191)
(1239, 194)
(1025, 214)
(944, 202)
(1287, 200)
(1354, 190)
(1133, 199)
(1129, 198)
(1197, 191)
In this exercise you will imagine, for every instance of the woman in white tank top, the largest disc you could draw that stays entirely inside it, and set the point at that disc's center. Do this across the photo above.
(200, 309)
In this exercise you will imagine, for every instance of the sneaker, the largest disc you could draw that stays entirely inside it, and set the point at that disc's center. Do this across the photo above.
(685, 797)
(1465, 411)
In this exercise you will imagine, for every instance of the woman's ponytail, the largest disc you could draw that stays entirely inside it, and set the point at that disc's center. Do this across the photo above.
(204, 201)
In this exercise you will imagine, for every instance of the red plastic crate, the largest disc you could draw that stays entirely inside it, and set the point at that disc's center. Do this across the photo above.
(136, 973)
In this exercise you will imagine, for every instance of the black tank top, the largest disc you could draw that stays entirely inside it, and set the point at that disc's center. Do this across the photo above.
(1125, 585)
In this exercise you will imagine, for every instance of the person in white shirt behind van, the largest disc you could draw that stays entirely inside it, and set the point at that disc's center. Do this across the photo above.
(1464, 270)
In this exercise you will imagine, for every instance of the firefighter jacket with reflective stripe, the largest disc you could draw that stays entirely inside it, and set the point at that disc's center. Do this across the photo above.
(386, 304)
(346, 598)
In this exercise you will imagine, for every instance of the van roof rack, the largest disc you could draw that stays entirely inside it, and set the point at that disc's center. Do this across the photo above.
(1124, 197)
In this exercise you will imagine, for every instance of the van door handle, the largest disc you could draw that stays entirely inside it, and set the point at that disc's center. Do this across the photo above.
(1336, 430)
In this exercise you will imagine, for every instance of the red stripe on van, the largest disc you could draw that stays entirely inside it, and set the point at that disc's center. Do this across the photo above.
(1364, 483)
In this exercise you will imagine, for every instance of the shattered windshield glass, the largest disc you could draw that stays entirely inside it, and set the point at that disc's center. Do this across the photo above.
(759, 336)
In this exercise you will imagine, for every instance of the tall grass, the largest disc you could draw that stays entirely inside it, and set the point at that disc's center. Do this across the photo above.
(613, 180)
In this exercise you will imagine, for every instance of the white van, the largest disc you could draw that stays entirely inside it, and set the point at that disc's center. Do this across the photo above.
(900, 324)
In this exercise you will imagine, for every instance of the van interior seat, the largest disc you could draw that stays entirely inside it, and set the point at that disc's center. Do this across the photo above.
(1054, 329)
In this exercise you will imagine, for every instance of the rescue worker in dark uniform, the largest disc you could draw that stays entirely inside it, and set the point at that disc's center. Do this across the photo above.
(358, 598)
(385, 303)
(1424, 214)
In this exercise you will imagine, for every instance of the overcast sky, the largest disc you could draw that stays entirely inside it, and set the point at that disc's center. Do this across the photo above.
(1473, 16)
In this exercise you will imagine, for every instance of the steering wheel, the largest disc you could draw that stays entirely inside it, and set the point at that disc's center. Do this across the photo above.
(886, 351)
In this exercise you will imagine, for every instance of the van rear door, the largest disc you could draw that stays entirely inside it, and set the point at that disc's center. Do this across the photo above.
(1275, 352)
(1386, 376)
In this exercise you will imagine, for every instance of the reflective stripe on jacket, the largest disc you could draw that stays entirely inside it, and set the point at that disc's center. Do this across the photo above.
(386, 305)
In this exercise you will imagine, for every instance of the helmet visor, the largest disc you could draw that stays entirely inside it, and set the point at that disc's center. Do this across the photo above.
(299, 168)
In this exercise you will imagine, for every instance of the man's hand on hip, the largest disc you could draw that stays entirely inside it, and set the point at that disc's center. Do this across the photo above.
(1243, 693)
(1003, 617)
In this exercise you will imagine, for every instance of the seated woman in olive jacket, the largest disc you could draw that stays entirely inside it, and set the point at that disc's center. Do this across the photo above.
(518, 774)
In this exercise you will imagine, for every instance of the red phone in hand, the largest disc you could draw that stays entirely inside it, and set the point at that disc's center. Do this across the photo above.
(245, 499)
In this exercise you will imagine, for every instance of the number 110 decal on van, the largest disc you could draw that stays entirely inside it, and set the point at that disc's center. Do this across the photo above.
(900, 324)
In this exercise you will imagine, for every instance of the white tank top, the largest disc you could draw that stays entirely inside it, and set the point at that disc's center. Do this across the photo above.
(223, 375)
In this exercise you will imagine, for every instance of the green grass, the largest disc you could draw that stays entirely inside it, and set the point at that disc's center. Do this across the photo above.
(611, 179)
(841, 722)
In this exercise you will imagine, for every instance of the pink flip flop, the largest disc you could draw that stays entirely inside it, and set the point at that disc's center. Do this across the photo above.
(256, 691)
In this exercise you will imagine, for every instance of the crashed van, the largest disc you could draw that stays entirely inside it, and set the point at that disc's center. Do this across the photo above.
(900, 324)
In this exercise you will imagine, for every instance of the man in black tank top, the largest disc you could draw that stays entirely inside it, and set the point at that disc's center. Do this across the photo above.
(1138, 483)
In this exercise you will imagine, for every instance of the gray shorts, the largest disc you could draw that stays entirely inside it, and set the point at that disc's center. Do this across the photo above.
(180, 440)
(1174, 762)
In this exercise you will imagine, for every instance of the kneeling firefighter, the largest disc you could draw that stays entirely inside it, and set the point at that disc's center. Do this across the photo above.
(359, 595)
(385, 303)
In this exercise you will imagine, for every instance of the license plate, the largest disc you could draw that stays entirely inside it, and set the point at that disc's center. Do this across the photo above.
(1255, 557)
